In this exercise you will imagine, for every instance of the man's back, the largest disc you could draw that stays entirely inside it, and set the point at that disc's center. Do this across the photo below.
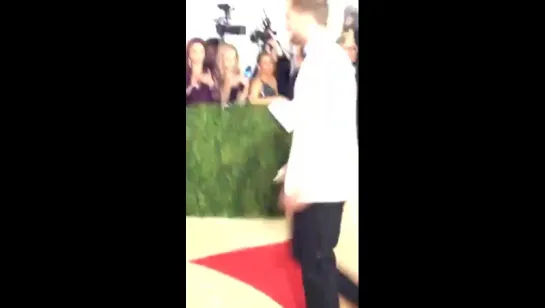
(323, 160)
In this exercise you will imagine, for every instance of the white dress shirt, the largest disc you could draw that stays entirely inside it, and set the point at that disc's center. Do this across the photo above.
(323, 160)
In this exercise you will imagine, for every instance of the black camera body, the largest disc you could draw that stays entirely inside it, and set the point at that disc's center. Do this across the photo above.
(222, 29)
(224, 26)
(265, 35)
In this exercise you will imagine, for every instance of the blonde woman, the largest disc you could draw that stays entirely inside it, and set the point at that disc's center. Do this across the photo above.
(232, 85)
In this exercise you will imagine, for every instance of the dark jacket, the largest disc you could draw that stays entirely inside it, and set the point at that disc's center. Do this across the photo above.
(284, 79)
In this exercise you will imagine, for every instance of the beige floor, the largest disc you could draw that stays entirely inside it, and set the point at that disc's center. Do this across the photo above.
(207, 288)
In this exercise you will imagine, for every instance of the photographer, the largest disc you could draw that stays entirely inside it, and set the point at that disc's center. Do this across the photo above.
(287, 65)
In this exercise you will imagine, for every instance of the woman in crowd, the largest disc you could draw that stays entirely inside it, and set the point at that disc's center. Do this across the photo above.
(232, 85)
(264, 88)
(199, 82)
(348, 43)
(211, 52)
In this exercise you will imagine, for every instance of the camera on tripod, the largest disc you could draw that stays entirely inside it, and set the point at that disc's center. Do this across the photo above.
(264, 35)
(223, 25)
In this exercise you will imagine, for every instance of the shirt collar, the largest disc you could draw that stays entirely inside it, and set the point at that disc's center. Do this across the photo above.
(317, 35)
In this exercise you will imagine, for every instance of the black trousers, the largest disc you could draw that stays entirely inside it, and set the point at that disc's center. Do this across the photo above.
(316, 231)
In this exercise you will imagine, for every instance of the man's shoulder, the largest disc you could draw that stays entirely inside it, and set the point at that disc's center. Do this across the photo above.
(329, 63)
(329, 48)
(331, 54)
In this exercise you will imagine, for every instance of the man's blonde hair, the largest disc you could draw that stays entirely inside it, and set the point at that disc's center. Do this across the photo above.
(319, 9)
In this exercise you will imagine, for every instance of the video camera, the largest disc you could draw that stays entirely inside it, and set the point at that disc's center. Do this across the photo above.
(223, 25)
(265, 35)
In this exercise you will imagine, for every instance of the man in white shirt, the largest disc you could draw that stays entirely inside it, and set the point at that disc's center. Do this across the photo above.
(321, 173)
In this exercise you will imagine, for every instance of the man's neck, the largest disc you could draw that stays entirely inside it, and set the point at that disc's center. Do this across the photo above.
(314, 31)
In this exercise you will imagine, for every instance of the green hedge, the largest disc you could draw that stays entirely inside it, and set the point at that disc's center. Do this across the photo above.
(232, 157)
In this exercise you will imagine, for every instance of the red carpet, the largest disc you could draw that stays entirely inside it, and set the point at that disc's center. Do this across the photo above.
(270, 269)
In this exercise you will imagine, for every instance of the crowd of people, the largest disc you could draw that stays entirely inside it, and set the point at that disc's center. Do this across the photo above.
(213, 74)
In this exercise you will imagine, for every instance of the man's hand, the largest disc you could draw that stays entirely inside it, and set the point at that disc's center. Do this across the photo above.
(280, 175)
(290, 204)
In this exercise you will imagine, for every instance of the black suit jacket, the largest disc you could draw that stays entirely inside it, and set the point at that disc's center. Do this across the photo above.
(283, 78)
